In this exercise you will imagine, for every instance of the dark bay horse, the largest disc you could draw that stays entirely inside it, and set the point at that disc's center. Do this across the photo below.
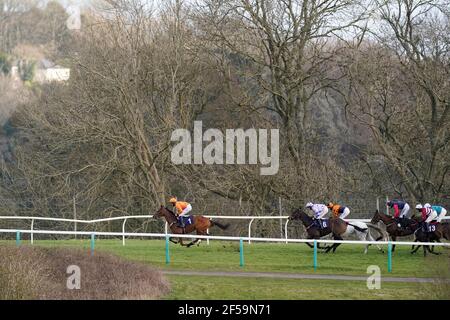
(337, 227)
(313, 230)
(200, 224)
(442, 230)
(392, 228)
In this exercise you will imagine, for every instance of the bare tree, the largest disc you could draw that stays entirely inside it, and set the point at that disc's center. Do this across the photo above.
(399, 89)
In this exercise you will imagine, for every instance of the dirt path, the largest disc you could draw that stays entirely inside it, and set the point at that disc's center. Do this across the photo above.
(293, 276)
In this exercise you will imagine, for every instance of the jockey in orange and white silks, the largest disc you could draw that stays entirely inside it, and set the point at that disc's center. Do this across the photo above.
(181, 209)
(338, 210)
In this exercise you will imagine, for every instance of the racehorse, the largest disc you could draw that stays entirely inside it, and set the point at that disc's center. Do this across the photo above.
(313, 230)
(341, 228)
(392, 228)
(441, 230)
(200, 225)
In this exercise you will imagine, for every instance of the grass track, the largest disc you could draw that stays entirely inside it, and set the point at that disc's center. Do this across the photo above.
(195, 287)
(290, 258)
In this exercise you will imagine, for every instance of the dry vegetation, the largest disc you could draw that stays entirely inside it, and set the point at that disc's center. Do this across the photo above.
(38, 273)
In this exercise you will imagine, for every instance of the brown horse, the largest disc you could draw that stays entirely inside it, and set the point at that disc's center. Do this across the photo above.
(392, 228)
(442, 230)
(200, 225)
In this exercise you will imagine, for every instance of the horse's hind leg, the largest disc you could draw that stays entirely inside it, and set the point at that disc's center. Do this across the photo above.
(181, 242)
(335, 245)
(432, 251)
(417, 248)
(197, 241)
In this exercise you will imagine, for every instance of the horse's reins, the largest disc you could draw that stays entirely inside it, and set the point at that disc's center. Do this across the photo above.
(170, 226)
(310, 226)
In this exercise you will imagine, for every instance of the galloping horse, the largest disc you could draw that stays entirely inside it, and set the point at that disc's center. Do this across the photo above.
(340, 229)
(313, 230)
(442, 230)
(200, 225)
(392, 228)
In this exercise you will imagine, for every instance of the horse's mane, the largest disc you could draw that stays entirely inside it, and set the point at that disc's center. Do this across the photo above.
(301, 211)
(169, 210)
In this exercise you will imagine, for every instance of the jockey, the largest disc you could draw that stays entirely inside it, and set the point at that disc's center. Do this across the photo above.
(181, 208)
(401, 209)
(338, 210)
(441, 212)
(427, 213)
(319, 210)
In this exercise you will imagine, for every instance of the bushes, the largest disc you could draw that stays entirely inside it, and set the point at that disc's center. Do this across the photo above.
(38, 273)
(5, 64)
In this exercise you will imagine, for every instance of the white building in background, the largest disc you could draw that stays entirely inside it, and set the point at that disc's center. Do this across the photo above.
(47, 71)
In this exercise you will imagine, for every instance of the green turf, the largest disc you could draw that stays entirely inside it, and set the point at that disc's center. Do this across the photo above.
(291, 258)
(229, 288)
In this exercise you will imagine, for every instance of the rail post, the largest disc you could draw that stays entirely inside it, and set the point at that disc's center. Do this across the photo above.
(92, 243)
(123, 231)
(167, 250)
(250, 230)
(389, 257)
(286, 230)
(315, 255)
(241, 252)
(18, 238)
(31, 234)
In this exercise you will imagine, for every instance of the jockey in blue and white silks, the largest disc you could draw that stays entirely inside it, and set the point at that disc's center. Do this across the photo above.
(319, 210)
(441, 212)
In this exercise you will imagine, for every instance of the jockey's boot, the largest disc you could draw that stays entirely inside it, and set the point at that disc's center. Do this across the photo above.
(403, 222)
(181, 222)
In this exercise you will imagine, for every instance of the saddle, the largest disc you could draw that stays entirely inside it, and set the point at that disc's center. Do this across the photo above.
(321, 223)
(430, 227)
(184, 221)
(405, 223)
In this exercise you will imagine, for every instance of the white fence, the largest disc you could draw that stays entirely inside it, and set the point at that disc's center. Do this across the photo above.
(249, 238)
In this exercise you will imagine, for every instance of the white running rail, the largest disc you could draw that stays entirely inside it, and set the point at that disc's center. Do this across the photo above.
(227, 238)
(32, 231)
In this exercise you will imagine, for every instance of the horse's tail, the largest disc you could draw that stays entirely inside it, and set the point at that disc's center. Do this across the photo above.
(221, 226)
(358, 228)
